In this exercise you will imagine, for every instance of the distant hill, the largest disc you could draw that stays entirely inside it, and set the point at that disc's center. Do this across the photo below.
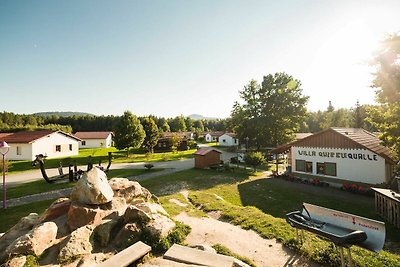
(201, 117)
(62, 114)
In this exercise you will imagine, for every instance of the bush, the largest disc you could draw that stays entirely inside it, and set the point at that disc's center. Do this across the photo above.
(191, 144)
(254, 159)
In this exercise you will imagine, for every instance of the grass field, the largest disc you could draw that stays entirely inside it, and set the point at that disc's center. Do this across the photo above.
(260, 204)
(101, 154)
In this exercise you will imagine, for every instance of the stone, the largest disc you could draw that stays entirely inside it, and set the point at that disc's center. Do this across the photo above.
(23, 226)
(92, 188)
(56, 209)
(239, 263)
(129, 234)
(80, 214)
(130, 190)
(40, 238)
(92, 259)
(78, 244)
(16, 262)
(102, 233)
(134, 214)
(160, 226)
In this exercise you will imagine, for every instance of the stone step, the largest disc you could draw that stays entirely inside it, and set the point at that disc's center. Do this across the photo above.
(198, 257)
(127, 256)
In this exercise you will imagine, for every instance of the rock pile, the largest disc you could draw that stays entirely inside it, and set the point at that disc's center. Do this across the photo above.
(100, 218)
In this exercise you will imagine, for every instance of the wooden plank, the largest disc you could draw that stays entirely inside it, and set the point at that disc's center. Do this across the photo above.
(127, 256)
(188, 255)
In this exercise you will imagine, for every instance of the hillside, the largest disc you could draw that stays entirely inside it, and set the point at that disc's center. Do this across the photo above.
(62, 114)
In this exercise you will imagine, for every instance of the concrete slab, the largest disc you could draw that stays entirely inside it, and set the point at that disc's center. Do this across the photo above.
(127, 256)
(198, 257)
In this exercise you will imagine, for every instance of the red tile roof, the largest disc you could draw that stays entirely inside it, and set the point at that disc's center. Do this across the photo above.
(205, 150)
(29, 136)
(92, 135)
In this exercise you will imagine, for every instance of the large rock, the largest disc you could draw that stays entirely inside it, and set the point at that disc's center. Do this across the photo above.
(130, 190)
(78, 244)
(103, 232)
(23, 226)
(81, 214)
(16, 262)
(130, 233)
(134, 214)
(92, 188)
(36, 241)
(160, 226)
(56, 209)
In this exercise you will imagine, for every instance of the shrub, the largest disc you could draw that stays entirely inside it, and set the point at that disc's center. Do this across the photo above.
(254, 159)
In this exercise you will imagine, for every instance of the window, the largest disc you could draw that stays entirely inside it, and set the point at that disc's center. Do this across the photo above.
(320, 168)
(300, 165)
(326, 168)
(83, 143)
(70, 147)
(19, 152)
(223, 140)
(309, 166)
(235, 141)
(58, 148)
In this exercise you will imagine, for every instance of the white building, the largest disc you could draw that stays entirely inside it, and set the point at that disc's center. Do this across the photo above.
(95, 139)
(212, 136)
(339, 155)
(27, 144)
(228, 139)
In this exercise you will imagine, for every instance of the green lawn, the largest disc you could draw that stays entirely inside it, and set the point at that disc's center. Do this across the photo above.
(41, 186)
(101, 154)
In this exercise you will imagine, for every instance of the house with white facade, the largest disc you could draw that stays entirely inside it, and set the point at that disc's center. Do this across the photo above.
(228, 139)
(340, 155)
(25, 145)
(212, 136)
(95, 139)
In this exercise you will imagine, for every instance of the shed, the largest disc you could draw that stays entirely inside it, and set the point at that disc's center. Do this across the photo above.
(206, 157)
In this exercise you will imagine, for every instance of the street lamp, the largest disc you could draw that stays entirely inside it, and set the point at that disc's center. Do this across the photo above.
(4, 147)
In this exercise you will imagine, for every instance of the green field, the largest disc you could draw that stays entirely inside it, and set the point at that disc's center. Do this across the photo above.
(101, 154)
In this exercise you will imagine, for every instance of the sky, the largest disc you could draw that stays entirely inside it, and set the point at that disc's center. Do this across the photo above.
(169, 58)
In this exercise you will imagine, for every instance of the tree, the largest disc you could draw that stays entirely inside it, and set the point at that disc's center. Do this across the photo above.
(254, 159)
(175, 141)
(386, 116)
(129, 132)
(163, 125)
(272, 112)
(177, 124)
(198, 125)
(151, 130)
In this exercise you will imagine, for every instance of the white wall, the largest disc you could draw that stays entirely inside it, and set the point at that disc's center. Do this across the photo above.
(208, 138)
(94, 143)
(226, 140)
(47, 146)
(370, 169)
(26, 152)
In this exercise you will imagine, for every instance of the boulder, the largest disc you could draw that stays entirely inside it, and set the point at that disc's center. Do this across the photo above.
(151, 208)
(56, 209)
(130, 233)
(134, 214)
(40, 238)
(23, 226)
(78, 244)
(102, 233)
(160, 226)
(81, 214)
(16, 262)
(92, 188)
(130, 190)
(92, 259)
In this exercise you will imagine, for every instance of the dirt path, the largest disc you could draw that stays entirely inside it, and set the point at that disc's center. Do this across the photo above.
(263, 252)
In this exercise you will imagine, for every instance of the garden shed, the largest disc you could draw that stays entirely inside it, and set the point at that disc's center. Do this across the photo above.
(206, 157)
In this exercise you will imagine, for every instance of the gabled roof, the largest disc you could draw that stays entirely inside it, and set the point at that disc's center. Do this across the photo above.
(300, 136)
(233, 135)
(168, 135)
(342, 138)
(216, 134)
(29, 136)
(205, 150)
(93, 135)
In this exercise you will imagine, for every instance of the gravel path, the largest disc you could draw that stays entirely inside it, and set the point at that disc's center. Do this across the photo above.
(67, 191)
